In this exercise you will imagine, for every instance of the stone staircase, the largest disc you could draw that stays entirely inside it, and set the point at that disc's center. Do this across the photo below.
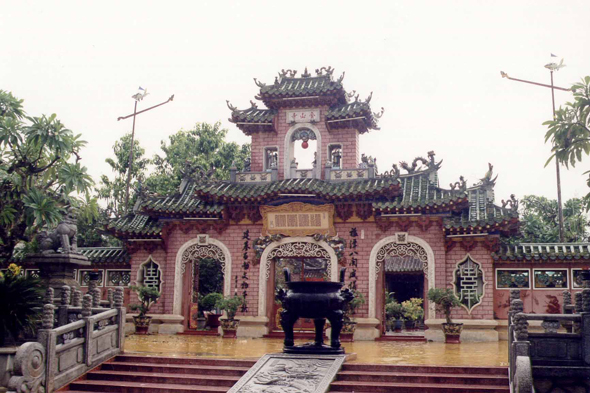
(376, 378)
(138, 374)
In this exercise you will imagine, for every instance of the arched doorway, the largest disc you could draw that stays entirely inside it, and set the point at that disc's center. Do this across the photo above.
(306, 251)
(186, 277)
(299, 133)
(395, 259)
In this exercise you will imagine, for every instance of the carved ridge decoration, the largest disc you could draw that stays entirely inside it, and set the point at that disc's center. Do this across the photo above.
(29, 369)
(297, 249)
(298, 207)
(400, 250)
(198, 251)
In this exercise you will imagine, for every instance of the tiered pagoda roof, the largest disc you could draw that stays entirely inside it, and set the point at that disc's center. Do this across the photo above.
(291, 91)
(462, 210)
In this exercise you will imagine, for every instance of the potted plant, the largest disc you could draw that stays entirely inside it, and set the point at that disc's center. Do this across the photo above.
(148, 296)
(22, 298)
(230, 305)
(348, 326)
(394, 313)
(208, 304)
(412, 311)
(445, 300)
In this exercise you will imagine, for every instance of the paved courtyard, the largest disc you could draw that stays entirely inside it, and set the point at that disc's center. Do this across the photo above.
(465, 354)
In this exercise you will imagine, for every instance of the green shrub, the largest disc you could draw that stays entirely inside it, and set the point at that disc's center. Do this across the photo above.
(230, 305)
(20, 305)
(147, 296)
(394, 310)
(351, 307)
(412, 309)
(209, 301)
(445, 300)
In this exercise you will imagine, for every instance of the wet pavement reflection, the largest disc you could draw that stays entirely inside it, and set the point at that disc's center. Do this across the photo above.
(392, 352)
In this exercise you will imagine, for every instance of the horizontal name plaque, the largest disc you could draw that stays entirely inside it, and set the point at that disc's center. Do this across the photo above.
(298, 219)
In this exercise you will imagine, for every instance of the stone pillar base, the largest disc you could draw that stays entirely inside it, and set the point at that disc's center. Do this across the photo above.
(161, 324)
(252, 326)
(474, 330)
(367, 329)
(57, 270)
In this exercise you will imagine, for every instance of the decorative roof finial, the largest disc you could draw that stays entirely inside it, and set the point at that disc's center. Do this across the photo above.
(369, 98)
(230, 106)
(351, 94)
(513, 202)
(329, 70)
(356, 99)
(460, 185)
(288, 73)
(378, 115)
(259, 84)
(276, 81)
(341, 77)
(253, 104)
(305, 74)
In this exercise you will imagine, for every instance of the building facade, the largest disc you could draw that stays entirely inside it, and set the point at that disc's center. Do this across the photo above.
(395, 231)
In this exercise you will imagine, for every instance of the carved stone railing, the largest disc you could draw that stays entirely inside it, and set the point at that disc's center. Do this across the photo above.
(553, 353)
(63, 353)
(303, 173)
(253, 177)
(350, 174)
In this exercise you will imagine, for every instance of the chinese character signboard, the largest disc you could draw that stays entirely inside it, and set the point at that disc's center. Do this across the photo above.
(303, 116)
(298, 219)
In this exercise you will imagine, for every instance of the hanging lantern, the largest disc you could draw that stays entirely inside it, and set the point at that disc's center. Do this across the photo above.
(304, 144)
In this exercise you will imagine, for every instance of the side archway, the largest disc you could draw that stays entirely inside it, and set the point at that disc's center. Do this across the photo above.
(201, 247)
(292, 247)
(378, 254)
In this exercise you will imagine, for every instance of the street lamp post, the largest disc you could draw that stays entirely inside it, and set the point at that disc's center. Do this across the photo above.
(551, 67)
(140, 95)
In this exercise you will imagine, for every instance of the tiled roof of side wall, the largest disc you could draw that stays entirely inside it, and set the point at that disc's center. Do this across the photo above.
(544, 252)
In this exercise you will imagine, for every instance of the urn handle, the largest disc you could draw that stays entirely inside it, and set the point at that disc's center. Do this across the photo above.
(287, 274)
(342, 274)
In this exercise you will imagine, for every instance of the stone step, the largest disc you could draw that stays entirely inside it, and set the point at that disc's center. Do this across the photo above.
(198, 369)
(393, 368)
(185, 360)
(402, 337)
(398, 387)
(140, 387)
(426, 378)
(162, 378)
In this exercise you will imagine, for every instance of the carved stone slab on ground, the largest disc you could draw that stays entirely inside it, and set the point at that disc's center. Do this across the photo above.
(283, 373)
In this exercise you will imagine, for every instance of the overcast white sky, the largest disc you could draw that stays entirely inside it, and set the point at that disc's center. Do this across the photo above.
(433, 65)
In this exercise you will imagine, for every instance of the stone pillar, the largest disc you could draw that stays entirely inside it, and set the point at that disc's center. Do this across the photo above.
(56, 270)
(110, 297)
(86, 306)
(77, 301)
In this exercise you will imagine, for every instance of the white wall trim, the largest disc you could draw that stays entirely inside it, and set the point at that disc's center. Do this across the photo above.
(178, 276)
(373, 270)
(289, 150)
(265, 266)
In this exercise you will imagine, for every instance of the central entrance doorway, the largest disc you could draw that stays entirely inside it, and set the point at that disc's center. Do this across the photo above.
(302, 269)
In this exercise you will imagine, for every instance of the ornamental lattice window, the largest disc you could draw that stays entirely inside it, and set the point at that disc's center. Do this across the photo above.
(469, 283)
(150, 274)
(116, 278)
(513, 279)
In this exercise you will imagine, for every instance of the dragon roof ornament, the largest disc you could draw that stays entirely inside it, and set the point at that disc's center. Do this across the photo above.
(259, 84)
(487, 180)
(460, 185)
(378, 115)
(230, 106)
(288, 73)
(329, 71)
(305, 74)
(430, 164)
(512, 202)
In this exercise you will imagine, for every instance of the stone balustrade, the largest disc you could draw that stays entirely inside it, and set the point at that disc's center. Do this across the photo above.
(75, 336)
(543, 361)
(254, 177)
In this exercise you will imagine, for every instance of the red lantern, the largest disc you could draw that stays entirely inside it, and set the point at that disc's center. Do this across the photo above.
(304, 145)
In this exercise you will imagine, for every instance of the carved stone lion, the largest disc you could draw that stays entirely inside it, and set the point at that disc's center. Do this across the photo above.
(64, 236)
